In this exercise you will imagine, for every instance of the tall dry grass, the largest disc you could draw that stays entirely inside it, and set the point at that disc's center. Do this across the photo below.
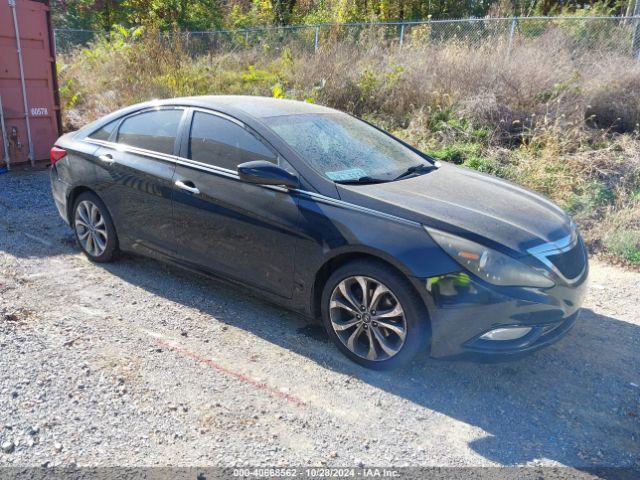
(562, 123)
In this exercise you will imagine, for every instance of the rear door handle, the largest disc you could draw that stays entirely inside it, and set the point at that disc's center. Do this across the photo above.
(187, 185)
(107, 158)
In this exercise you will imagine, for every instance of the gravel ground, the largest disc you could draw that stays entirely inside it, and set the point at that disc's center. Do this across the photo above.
(138, 363)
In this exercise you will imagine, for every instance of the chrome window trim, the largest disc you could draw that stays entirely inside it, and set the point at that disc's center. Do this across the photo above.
(234, 175)
(121, 147)
(219, 114)
(205, 167)
(165, 157)
(545, 250)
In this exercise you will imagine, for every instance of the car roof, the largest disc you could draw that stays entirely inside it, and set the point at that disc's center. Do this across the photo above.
(259, 107)
(242, 107)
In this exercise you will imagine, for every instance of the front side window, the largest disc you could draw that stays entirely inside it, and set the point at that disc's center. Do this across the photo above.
(220, 142)
(344, 148)
(155, 130)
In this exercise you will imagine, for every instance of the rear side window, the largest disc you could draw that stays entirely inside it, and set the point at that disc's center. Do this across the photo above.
(105, 132)
(155, 130)
(223, 143)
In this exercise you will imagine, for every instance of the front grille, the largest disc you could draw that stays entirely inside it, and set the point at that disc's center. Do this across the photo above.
(570, 263)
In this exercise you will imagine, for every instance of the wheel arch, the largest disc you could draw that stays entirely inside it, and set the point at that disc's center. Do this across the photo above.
(78, 190)
(74, 193)
(342, 258)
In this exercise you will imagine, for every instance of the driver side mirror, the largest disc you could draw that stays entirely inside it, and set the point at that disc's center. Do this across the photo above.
(266, 173)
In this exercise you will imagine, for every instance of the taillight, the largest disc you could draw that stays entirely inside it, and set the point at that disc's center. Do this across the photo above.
(56, 154)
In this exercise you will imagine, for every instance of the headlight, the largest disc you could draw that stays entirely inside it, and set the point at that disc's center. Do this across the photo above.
(488, 264)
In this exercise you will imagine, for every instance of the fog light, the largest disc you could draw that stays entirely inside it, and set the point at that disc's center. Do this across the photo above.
(508, 333)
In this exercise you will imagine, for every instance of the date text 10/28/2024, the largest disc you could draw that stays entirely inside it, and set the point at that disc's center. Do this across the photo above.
(317, 472)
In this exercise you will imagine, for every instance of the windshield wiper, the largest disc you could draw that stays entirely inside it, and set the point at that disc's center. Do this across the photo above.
(361, 181)
(420, 168)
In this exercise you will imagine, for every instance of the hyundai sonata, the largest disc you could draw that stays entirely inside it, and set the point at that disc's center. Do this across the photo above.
(330, 216)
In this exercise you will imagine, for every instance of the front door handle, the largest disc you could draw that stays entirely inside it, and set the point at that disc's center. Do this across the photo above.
(107, 158)
(187, 185)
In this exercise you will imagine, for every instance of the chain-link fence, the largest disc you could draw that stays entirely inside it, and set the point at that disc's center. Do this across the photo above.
(608, 34)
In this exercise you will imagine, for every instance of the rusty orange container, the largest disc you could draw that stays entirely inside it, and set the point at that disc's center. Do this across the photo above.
(28, 86)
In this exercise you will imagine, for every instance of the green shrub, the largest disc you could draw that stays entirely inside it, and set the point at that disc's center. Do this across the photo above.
(457, 153)
(588, 198)
(625, 244)
(486, 165)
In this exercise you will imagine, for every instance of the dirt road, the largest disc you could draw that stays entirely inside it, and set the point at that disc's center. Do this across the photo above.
(138, 363)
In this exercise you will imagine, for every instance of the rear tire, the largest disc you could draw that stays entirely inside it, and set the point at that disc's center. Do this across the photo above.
(384, 328)
(93, 228)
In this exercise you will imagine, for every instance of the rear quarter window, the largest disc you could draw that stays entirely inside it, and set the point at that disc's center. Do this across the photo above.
(155, 130)
(104, 132)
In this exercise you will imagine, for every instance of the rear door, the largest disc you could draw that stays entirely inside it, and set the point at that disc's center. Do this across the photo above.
(223, 225)
(137, 165)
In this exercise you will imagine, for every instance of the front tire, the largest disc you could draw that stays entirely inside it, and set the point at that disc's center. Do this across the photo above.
(373, 315)
(94, 228)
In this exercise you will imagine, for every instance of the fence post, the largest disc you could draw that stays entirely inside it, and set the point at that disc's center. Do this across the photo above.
(635, 41)
(315, 46)
(401, 34)
(211, 48)
(512, 31)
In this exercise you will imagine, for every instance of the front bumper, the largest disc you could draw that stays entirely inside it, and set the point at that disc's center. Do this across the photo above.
(463, 307)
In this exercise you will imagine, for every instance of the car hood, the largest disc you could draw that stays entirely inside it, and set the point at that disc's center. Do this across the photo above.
(462, 200)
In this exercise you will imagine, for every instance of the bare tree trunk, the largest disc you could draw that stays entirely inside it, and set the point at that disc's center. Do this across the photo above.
(106, 16)
(183, 14)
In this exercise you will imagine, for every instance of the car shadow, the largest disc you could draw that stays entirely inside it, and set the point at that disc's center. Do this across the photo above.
(29, 222)
(574, 402)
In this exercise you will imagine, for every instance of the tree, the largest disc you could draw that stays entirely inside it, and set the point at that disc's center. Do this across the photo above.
(283, 10)
(180, 14)
(88, 14)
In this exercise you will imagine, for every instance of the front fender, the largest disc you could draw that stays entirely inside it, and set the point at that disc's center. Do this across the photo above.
(330, 228)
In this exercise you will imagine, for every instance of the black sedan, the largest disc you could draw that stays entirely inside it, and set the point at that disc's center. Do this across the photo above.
(330, 216)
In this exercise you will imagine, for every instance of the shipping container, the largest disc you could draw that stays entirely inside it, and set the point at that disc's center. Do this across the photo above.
(30, 105)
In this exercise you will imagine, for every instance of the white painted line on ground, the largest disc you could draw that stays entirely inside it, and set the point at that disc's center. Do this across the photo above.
(37, 239)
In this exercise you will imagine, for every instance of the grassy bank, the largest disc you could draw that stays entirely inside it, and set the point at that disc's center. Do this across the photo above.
(563, 124)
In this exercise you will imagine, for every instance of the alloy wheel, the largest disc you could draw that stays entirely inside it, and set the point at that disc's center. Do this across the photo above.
(367, 318)
(91, 228)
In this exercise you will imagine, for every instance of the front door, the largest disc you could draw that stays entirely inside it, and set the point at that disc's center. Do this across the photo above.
(223, 225)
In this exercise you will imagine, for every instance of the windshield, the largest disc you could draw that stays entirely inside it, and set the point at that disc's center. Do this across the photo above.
(344, 148)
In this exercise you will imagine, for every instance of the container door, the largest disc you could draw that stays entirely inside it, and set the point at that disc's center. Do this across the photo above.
(38, 64)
